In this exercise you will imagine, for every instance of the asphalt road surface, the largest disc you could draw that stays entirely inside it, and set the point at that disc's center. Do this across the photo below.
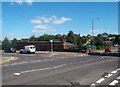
(47, 69)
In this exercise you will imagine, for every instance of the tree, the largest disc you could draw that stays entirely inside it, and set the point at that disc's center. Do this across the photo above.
(5, 43)
(70, 34)
(70, 37)
(117, 39)
(46, 37)
(99, 40)
(13, 43)
(33, 38)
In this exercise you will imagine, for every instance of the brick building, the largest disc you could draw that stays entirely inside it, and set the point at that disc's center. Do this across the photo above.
(46, 45)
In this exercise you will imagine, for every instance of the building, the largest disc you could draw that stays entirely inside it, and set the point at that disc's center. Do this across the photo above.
(46, 45)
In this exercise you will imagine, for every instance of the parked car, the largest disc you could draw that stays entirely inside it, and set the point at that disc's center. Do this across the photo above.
(107, 50)
(10, 50)
(28, 49)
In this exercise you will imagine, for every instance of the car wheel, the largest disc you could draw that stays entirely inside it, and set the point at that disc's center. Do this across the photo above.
(21, 52)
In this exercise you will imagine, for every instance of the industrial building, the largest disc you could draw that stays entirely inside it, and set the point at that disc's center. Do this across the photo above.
(46, 45)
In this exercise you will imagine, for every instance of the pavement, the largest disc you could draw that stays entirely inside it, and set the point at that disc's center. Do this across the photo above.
(49, 69)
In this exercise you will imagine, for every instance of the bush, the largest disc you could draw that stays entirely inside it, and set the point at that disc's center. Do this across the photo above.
(100, 47)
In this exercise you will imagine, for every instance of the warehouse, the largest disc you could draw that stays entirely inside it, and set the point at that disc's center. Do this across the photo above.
(46, 45)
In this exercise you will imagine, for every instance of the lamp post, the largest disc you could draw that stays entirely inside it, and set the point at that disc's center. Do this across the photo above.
(51, 41)
(93, 30)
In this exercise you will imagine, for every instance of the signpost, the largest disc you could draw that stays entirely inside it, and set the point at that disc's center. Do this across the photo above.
(51, 41)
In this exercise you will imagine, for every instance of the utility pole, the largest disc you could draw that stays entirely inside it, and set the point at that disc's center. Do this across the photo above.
(93, 32)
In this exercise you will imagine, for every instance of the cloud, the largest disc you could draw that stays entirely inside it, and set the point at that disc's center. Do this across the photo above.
(51, 20)
(19, 2)
(62, 20)
(29, 2)
(46, 23)
(43, 28)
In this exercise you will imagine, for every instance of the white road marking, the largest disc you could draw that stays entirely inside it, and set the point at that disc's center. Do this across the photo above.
(102, 57)
(17, 74)
(38, 60)
(14, 64)
(25, 62)
(115, 71)
(28, 71)
(20, 63)
(118, 77)
(59, 66)
(35, 70)
(108, 75)
(118, 69)
(114, 82)
(93, 84)
(100, 80)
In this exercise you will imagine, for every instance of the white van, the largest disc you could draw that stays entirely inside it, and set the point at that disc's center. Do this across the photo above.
(28, 49)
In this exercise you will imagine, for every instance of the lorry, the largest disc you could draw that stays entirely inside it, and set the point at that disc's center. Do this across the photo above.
(28, 49)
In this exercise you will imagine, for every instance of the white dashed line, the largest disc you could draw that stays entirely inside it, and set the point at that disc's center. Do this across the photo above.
(114, 82)
(17, 74)
(35, 70)
(118, 77)
(102, 57)
(59, 66)
(108, 75)
(118, 69)
(14, 64)
(28, 71)
(115, 71)
(93, 84)
(38, 60)
(100, 80)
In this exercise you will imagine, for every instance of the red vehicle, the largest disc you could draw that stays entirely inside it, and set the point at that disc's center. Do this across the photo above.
(107, 50)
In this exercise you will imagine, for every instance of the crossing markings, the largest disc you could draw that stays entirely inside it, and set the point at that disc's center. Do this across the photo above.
(114, 82)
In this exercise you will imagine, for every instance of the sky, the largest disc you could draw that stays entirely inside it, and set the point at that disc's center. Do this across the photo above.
(24, 19)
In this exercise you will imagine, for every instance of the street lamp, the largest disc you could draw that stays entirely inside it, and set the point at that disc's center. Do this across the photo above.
(93, 25)
(51, 41)
(93, 30)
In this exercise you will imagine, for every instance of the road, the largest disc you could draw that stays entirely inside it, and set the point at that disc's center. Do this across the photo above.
(47, 69)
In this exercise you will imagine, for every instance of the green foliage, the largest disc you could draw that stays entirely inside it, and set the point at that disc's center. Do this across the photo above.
(71, 37)
(5, 43)
(100, 47)
(117, 39)
(33, 38)
(13, 42)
